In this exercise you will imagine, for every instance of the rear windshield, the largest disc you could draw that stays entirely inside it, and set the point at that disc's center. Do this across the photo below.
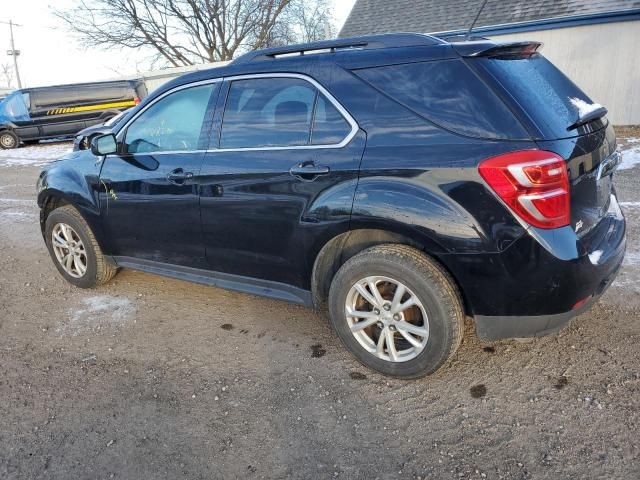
(544, 93)
(449, 94)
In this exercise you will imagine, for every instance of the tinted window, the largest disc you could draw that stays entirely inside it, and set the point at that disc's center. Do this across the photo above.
(268, 112)
(57, 97)
(329, 126)
(103, 93)
(449, 94)
(545, 94)
(171, 124)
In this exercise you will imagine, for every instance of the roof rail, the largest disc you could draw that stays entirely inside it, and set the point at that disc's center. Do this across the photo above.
(387, 40)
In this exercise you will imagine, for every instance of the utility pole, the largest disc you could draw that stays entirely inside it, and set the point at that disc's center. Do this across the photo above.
(13, 52)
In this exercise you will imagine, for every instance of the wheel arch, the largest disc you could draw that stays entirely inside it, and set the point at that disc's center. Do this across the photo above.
(51, 199)
(335, 252)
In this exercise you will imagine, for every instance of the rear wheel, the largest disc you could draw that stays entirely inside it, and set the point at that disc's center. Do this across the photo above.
(74, 249)
(9, 139)
(397, 311)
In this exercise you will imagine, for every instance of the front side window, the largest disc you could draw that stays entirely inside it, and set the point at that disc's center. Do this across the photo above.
(268, 112)
(173, 123)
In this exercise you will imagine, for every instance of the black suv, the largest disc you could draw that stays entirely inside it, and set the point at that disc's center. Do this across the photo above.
(402, 180)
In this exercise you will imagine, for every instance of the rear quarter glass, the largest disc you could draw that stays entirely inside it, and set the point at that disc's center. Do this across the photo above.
(540, 91)
(449, 94)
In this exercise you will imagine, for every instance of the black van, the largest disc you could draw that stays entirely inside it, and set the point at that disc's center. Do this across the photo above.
(33, 114)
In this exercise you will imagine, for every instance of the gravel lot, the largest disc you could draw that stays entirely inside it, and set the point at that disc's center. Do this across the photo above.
(153, 378)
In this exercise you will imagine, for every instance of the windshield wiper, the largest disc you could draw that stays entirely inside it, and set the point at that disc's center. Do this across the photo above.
(587, 117)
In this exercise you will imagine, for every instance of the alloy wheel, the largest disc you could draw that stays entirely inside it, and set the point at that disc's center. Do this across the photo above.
(387, 318)
(69, 250)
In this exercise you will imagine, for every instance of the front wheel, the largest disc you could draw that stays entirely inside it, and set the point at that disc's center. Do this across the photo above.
(9, 139)
(397, 311)
(74, 249)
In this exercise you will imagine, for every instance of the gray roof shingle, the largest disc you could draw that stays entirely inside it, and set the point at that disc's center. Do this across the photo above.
(381, 16)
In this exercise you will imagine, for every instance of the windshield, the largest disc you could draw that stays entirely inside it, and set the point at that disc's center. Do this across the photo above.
(13, 107)
(547, 96)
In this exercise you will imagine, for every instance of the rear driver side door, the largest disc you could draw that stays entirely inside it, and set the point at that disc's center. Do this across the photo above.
(280, 177)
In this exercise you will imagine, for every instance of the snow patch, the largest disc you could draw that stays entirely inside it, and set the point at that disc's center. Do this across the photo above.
(17, 215)
(36, 155)
(631, 258)
(96, 313)
(629, 278)
(595, 256)
(630, 157)
(583, 107)
(16, 200)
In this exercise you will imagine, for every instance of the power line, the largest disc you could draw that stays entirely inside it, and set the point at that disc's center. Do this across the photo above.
(13, 52)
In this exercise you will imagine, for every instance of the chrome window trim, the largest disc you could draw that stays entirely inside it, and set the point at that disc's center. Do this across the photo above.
(350, 120)
(345, 114)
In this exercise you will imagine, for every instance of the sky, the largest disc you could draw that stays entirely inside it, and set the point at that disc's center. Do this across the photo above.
(50, 54)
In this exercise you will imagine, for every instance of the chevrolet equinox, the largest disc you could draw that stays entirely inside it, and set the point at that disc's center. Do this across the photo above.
(403, 181)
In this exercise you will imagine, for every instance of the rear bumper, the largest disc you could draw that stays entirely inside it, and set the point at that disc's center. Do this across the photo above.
(502, 327)
(533, 287)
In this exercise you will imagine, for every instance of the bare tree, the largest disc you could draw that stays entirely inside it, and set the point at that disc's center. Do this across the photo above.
(7, 72)
(311, 21)
(185, 32)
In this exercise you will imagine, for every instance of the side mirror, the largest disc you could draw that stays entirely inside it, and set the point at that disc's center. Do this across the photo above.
(104, 145)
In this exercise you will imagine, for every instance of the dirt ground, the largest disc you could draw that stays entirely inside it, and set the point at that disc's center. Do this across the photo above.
(152, 378)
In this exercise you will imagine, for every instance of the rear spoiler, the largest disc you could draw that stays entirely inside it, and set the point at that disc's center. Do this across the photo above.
(487, 48)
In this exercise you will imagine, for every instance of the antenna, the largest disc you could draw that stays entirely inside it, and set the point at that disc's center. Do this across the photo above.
(473, 24)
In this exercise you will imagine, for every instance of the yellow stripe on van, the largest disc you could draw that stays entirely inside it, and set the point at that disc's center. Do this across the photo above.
(89, 108)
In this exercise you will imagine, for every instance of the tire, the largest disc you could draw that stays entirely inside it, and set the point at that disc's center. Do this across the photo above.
(9, 140)
(97, 270)
(424, 281)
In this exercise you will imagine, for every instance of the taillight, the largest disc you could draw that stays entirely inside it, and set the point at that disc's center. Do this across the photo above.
(533, 183)
(136, 100)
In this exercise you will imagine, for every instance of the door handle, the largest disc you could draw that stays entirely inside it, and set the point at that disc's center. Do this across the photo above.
(308, 171)
(178, 176)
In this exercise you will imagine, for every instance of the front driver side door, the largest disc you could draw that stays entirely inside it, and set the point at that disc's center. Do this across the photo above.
(149, 195)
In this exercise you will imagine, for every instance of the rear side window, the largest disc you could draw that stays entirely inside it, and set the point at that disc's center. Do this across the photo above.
(269, 112)
(103, 93)
(543, 92)
(280, 112)
(448, 94)
(329, 126)
(54, 97)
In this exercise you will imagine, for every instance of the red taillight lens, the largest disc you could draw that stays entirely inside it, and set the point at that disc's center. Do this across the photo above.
(136, 100)
(533, 183)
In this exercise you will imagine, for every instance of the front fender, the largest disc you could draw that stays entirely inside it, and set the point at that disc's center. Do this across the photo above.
(74, 180)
